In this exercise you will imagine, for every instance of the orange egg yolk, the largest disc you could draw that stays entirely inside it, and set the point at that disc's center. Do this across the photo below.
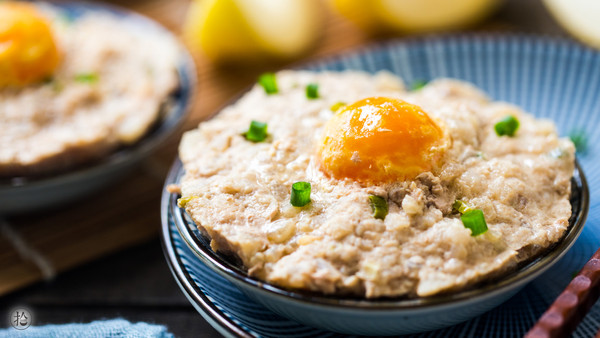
(28, 51)
(381, 139)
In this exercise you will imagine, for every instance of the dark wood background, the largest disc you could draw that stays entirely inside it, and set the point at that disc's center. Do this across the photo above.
(135, 283)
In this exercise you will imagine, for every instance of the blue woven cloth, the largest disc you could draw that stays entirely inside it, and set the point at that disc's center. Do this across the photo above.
(101, 328)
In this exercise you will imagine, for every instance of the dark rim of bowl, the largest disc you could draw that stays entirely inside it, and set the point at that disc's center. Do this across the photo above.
(218, 263)
(185, 281)
(171, 117)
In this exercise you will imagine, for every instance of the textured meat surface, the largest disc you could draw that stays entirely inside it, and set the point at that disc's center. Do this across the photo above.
(239, 192)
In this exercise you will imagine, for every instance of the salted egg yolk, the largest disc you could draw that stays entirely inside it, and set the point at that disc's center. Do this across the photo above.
(380, 139)
(28, 51)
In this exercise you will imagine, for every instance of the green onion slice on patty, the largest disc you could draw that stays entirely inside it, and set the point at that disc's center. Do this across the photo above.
(257, 132)
(337, 106)
(474, 220)
(183, 201)
(461, 206)
(418, 84)
(507, 126)
(86, 77)
(471, 218)
(269, 82)
(300, 194)
(379, 206)
(312, 91)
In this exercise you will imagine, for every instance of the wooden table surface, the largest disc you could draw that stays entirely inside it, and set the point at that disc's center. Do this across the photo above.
(125, 273)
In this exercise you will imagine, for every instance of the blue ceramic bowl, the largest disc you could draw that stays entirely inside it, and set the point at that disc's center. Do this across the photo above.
(550, 78)
(377, 317)
(26, 194)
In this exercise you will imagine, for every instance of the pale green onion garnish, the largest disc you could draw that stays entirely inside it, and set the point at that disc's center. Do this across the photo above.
(472, 219)
(181, 202)
(312, 91)
(86, 77)
(337, 106)
(580, 140)
(257, 132)
(300, 194)
(461, 206)
(379, 206)
(419, 84)
(269, 82)
(507, 126)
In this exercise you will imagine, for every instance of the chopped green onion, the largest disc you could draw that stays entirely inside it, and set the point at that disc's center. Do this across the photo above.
(474, 220)
(86, 77)
(379, 206)
(461, 206)
(257, 132)
(300, 194)
(580, 140)
(312, 91)
(418, 84)
(181, 202)
(337, 106)
(269, 82)
(507, 126)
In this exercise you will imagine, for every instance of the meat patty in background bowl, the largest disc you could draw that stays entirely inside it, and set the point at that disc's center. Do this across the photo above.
(453, 46)
(89, 121)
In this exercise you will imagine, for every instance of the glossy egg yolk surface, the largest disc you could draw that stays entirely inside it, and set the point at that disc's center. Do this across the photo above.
(28, 52)
(379, 139)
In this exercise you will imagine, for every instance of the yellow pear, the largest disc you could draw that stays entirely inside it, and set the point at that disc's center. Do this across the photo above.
(414, 16)
(252, 30)
(580, 17)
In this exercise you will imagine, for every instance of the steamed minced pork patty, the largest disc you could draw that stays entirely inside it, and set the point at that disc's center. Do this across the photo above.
(107, 91)
(238, 191)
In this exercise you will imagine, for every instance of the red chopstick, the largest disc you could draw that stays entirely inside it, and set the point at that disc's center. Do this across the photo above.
(571, 306)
